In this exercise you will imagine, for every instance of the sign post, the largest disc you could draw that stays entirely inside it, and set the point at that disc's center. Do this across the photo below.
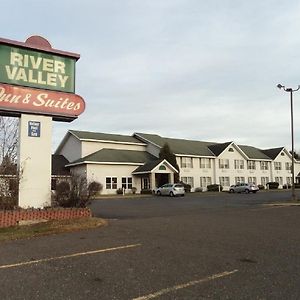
(37, 84)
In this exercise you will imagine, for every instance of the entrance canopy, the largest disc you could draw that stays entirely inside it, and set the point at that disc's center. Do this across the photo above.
(155, 173)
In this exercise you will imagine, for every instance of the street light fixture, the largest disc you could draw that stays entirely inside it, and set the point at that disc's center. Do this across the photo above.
(290, 90)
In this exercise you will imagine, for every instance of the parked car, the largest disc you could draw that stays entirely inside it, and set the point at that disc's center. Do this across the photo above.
(244, 188)
(170, 189)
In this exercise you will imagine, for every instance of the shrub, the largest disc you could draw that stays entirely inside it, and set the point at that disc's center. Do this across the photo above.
(261, 187)
(272, 185)
(198, 189)
(119, 191)
(286, 186)
(62, 194)
(187, 187)
(94, 188)
(77, 192)
(214, 188)
(133, 190)
(297, 185)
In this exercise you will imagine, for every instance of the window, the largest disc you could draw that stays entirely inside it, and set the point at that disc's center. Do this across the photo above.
(264, 180)
(238, 164)
(230, 150)
(186, 162)
(145, 183)
(288, 166)
(188, 180)
(264, 165)
(288, 180)
(277, 165)
(205, 181)
(252, 180)
(205, 163)
(127, 183)
(251, 165)
(279, 180)
(111, 183)
(239, 180)
(224, 181)
(224, 163)
(162, 168)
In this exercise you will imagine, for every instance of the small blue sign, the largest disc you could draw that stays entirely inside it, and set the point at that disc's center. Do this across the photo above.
(34, 129)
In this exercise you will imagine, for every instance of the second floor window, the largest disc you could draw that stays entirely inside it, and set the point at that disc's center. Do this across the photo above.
(205, 163)
(186, 162)
(224, 163)
(264, 165)
(251, 165)
(277, 165)
(238, 164)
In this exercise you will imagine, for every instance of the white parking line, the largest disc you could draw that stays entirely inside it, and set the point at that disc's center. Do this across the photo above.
(185, 285)
(68, 256)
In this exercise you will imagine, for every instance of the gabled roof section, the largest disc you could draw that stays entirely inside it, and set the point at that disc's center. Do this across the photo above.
(273, 152)
(178, 146)
(148, 167)
(217, 149)
(254, 153)
(116, 156)
(98, 136)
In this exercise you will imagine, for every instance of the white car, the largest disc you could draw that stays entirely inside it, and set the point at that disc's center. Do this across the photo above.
(244, 188)
(170, 189)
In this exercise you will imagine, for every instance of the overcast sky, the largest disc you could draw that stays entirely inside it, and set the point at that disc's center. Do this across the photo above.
(194, 69)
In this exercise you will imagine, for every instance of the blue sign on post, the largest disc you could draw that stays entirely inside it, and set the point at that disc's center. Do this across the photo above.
(34, 129)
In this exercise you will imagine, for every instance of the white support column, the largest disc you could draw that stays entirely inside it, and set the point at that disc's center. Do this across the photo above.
(34, 161)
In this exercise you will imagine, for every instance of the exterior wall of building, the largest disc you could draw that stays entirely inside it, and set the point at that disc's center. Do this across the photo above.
(154, 150)
(196, 171)
(281, 169)
(71, 149)
(91, 147)
(99, 173)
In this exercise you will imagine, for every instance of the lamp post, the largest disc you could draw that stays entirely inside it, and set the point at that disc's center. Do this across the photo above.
(290, 90)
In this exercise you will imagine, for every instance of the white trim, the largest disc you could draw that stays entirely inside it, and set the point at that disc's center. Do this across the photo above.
(112, 142)
(103, 163)
(195, 156)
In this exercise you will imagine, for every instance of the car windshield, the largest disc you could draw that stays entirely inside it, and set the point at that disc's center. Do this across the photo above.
(178, 185)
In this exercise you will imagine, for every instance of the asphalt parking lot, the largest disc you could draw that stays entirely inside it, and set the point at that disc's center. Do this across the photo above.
(205, 246)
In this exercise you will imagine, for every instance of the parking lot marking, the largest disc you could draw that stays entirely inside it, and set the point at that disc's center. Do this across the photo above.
(185, 285)
(68, 256)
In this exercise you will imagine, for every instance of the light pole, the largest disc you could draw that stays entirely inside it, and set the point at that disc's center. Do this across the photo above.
(290, 90)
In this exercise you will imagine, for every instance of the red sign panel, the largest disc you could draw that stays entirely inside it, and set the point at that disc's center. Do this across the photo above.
(62, 106)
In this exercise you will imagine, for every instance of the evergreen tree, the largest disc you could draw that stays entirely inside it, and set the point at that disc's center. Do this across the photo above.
(167, 154)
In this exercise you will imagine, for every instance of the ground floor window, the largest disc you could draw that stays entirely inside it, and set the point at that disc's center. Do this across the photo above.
(224, 181)
(239, 180)
(279, 180)
(252, 180)
(127, 183)
(264, 180)
(205, 181)
(145, 183)
(289, 180)
(111, 183)
(188, 180)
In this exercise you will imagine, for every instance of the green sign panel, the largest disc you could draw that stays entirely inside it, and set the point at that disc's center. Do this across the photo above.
(36, 69)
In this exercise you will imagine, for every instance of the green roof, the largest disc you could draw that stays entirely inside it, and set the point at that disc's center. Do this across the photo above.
(148, 167)
(117, 156)
(254, 153)
(87, 135)
(273, 153)
(180, 146)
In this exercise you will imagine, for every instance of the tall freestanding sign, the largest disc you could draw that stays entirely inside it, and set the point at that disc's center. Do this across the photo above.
(37, 84)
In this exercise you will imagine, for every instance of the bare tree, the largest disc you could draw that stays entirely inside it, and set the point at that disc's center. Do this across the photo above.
(8, 139)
